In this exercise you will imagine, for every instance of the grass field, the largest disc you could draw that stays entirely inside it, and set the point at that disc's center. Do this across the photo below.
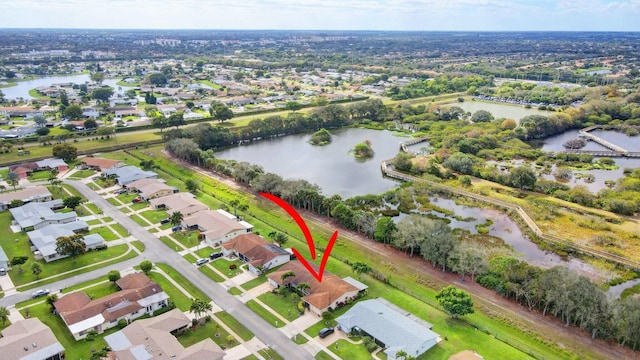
(265, 314)
(186, 284)
(285, 305)
(235, 326)
(210, 330)
(105, 232)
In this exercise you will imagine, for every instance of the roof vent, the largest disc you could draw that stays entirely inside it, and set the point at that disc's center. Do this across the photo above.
(34, 345)
(26, 348)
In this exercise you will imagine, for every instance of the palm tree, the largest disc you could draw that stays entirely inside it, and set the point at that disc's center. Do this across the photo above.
(13, 179)
(4, 315)
(287, 275)
(176, 218)
(36, 269)
(302, 287)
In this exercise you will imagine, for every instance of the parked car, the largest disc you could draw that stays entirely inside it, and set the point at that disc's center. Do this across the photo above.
(3, 271)
(41, 292)
(323, 333)
(165, 221)
(120, 191)
(176, 228)
(136, 200)
(202, 261)
(215, 255)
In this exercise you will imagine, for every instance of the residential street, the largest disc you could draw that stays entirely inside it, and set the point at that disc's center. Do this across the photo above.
(155, 251)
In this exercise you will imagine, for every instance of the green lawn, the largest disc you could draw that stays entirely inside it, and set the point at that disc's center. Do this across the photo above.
(139, 206)
(323, 356)
(101, 290)
(211, 274)
(223, 266)
(82, 174)
(204, 251)
(186, 238)
(85, 284)
(170, 243)
(346, 350)
(263, 313)
(93, 208)
(94, 222)
(127, 198)
(49, 270)
(114, 201)
(285, 305)
(182, 301)
(39, 175)
(299, 339)
(154, 216)
(105, 232)
(190, 258)
(254, 283)
(94, 187)
(235, 291)
(235, 326)
(210, 330)
(139, 220)
(120, 230)
(186, 284)
(138, 245)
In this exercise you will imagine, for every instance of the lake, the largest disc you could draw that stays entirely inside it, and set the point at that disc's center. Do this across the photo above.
(329, 166)
(21, 90)
(499, 110)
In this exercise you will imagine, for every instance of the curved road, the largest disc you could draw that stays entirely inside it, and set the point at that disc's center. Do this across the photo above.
(156, 251)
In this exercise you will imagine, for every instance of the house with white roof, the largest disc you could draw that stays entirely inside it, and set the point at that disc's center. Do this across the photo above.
(184, 202)
(151, 188)
(36, 215)
(128, 174)
(43, 240)
(217, 226)
(391, 327)
(32, 194)
(30, 339)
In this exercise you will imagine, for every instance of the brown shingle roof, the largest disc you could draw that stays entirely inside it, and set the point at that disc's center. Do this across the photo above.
(103, 164)
(321, 294)
(255, 248)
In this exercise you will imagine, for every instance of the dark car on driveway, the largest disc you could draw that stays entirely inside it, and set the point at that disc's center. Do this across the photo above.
(215, 255)
(325, 332)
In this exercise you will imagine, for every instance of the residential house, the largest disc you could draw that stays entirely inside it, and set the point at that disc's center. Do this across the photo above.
(30, 339)
(52, 164)
(323, 296)
(391, 327)
(36, 215)
(32, 194)
(128, 174)
(43, 240)
(217, 226)
(138, 296)
(4, 260)
(185, 203)
(155, 338)
(466, 355)
(258, 253)
(23, 170)
(151, 188)
(99, 163)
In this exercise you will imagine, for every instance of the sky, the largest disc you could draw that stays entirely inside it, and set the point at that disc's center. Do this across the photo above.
(438, 15)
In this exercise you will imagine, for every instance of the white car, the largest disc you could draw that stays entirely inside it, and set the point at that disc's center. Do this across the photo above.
(41, 292)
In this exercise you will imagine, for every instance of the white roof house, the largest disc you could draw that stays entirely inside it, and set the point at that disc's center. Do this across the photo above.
(217, 226)
(36, 193)
(44, 239)
(393, 327)
(39, 214)
(30, 339)
(129, 174)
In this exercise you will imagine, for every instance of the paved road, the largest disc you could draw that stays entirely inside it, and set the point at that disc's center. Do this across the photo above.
(156, 251)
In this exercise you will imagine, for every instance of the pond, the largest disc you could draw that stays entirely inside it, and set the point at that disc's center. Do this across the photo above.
(499, 110)
(329, 166)
(507, 230)
(21, 90)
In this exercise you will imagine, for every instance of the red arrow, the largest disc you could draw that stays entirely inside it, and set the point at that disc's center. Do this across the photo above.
(307, 235)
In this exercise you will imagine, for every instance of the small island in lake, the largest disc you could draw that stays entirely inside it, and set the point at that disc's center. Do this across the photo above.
(321, 137)
(363, 150)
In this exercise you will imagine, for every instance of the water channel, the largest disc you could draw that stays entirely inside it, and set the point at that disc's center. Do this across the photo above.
(336, 172)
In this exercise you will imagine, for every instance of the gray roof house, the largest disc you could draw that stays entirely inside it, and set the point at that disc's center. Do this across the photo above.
(4, 260)
(36, 193)
(44, 239)
(30, 339)
(128, 174)
(36, 215)
(389, 326)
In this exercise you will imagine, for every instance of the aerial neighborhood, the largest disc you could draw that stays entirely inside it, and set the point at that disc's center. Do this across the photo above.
(169, 194)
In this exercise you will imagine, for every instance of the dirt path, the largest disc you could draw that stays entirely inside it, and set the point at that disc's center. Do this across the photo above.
(547, 326)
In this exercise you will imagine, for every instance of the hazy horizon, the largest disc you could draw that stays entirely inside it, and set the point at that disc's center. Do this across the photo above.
(325, 15)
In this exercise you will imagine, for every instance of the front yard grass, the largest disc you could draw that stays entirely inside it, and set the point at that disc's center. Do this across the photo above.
(235, 325)
(286, 305)
(138, 245)
(299, 339)
(113, 201)
(139, 220)
(211, 274)
(182, 301)
(265, 314)
(139, 206)
(154, 216)
(254, 283)
(170, 243)
(235, 291)
(186, 284)
(105, 232)
(93, 208)
(82, 174)
(210, 330)
(120, 230)
(187, 238)
(347, 350)
(223, 266)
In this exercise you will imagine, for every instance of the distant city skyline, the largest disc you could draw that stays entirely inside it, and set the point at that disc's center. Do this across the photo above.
(442, 15)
